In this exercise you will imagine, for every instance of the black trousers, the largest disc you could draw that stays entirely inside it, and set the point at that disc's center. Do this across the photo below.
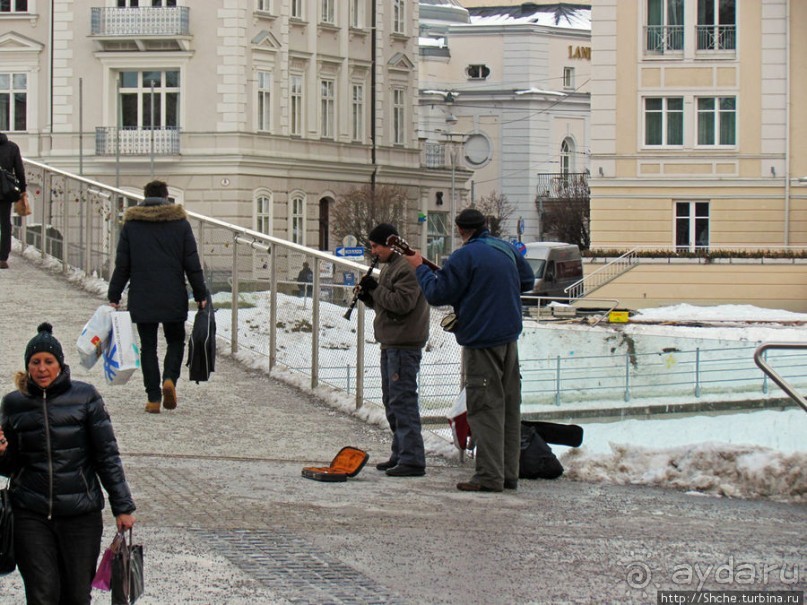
(5, 230)
(172, 363)
(57, 557)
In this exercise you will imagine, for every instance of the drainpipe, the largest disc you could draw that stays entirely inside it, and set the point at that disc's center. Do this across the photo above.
(51, 33)
(787, 124)
(373, 62)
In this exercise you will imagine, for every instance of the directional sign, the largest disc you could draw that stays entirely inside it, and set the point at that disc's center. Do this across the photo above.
(350, 251)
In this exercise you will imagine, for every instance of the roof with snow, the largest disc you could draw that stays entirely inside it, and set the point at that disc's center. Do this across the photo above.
(570, 16)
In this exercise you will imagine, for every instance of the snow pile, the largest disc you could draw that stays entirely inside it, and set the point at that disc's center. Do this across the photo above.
(718, 469)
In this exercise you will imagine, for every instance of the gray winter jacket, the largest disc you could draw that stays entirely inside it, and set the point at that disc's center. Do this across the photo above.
(401, 311)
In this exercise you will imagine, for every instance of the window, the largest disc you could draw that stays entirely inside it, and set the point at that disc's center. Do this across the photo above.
(264, 6)
(438, 238)
(327, 102)
(263, 213)
(297, 9)
(327, 15)
(357, 112)
(398, 16)
(13, 6)
(665, 26)
(265, 101)
(566, 157)
(13, 102)
(717, 121)
(716, 25)
(691, 225)
(398, 97)
(568, 78)
(296, 105)
(664, 121)
(297, 219)
(136, 101)
(477, 72)
(356, 17)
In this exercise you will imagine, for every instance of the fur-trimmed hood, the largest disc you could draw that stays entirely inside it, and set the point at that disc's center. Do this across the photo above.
(155, 213)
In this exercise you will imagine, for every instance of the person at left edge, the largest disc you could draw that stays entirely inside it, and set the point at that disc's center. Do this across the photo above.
(401, 327)
(156, 250)
(11, 160)
(58, 447)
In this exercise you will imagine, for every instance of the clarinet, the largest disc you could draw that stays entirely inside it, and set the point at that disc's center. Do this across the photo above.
(358, 288)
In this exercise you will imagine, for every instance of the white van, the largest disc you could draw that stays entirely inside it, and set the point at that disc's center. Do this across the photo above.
(556, 266)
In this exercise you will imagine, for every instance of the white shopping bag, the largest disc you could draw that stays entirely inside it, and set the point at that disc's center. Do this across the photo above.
(95, 336)
(121, 356)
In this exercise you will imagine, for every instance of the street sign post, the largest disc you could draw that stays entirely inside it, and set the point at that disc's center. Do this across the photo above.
(350, 251)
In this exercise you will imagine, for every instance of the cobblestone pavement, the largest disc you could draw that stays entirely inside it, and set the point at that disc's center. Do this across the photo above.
(226, 517)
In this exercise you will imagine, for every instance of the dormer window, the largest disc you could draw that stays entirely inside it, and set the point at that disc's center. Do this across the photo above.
(477, 72)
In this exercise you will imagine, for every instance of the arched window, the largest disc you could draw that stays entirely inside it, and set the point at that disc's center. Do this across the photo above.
(297, 218)
(567, 156)
(263, 212)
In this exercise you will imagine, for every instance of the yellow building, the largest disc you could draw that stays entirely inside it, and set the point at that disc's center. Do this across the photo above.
(697, 144)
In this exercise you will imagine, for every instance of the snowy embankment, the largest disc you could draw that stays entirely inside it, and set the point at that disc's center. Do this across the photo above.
(747, 455)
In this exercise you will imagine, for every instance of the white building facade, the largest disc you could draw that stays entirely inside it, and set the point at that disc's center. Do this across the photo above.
(258, 112)
(512, 85)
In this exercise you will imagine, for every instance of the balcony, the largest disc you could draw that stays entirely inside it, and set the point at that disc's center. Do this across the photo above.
(435, 155)
(148, 28)
(717, 39)
(137, 141)
(664, 40)
(563, 185)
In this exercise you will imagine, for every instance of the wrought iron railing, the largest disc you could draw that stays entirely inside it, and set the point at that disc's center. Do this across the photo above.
(136, 141)
(563, 185)
(664, 39)
(140, 21)
(435, 155)
(716, 37)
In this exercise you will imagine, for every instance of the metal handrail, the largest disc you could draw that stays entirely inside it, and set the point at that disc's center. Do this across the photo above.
(773, 375)
(603, 275)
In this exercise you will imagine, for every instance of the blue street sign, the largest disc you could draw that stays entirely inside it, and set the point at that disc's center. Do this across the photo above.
(350, 251)
(521, 247)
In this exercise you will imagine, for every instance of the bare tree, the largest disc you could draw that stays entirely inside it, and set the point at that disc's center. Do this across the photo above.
(360, 209)
(496, 209)
(567, 214)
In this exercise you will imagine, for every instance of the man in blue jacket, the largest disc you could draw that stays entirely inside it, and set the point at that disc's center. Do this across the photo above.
(483, 281)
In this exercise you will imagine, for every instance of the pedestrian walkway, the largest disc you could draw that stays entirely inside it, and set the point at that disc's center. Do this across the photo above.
(226, 517)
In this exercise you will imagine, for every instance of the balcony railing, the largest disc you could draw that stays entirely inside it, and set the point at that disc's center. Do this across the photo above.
(717, 37)
(141, 21)
(435, 155)
(137, 141)
(664, 39)
(563, 185)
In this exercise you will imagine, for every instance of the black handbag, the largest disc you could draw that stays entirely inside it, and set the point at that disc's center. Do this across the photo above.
(127, 573)
(9, 186)
(7, 561)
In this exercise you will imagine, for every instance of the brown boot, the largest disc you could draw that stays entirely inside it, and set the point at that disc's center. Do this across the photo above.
(153, 407)
(169, 394)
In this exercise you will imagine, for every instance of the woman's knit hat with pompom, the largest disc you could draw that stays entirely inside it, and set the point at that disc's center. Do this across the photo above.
(44, 342)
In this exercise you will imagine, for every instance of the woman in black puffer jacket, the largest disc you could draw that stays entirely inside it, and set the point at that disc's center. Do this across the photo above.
(58, 447)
